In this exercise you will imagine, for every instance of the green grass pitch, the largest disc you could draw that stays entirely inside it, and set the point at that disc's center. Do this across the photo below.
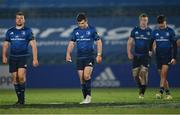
(104, 100)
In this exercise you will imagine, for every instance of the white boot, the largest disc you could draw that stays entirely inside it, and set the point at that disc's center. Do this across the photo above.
(86, 100)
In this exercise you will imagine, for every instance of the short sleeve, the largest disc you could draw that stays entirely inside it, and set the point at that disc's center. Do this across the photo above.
(73, 36)
(7, 37)
(31, 35)
(153, 37)
(132, 34)
(173, 36)
(96, 35)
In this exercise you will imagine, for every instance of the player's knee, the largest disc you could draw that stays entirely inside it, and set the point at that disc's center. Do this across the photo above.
(82, 81)
(144, 74)
(21, 79)
(14, 78)
(135, 72)
(87, 77)
(144, 70)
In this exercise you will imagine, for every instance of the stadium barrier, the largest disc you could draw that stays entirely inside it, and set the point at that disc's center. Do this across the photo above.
(65, 76)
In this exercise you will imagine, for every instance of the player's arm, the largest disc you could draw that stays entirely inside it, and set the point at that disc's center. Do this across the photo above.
(4, 52)
(178, 43)
(99, 51)
(129, 48)
(152, 47)
(69, 50)
(34, 52)
(174, 44)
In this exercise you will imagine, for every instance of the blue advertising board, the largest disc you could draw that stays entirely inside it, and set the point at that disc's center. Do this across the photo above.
(65, 76)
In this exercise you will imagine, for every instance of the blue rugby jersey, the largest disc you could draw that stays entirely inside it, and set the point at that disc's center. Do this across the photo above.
(19, 41)
(84, 39)
(164, 39)
(142, 38)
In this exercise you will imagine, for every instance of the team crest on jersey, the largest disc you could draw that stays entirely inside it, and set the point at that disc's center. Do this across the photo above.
(148, 33)
(77, 33)
(88, 32)
(136, 32)
(167, 33)
(23, 32)
(157, 34)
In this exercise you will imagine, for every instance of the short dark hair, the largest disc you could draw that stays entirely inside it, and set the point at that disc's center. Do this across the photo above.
(143, 15)
(80, 17)
(161, 19)
(20, 13)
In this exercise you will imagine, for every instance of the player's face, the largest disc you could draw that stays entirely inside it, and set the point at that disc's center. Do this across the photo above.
(82, 24)
(162, 25)
(143, 21)
(20, 20)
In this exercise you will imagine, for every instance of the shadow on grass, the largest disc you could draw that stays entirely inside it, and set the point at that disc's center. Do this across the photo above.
(114, 104)
(72, 105)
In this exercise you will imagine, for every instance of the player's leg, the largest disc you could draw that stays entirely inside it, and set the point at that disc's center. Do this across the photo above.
(159, 68)
(22, 66)
(22, 80)
(135, 73)
(143, 78)
(163, 71)
(13, 70)
(83, 87)
(80, 68)
(87, 77)
(164, 82)
(163, 75)
(166, 86)
(143, 74)
(88, 68)
(16, 85)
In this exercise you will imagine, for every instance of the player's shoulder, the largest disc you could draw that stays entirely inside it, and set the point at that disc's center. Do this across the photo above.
(76, 29)
(149, 29)
(91, 27)
(170, 29)
(136, 28)
(27, 28)
(11, 29)
(156, 29)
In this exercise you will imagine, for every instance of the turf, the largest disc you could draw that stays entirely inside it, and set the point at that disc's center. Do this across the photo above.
(109, 101)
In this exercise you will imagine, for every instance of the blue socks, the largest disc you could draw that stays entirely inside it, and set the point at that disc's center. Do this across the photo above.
(83, 87)
(86, 88)
(20, 92)
(17, 89)
(161, 90)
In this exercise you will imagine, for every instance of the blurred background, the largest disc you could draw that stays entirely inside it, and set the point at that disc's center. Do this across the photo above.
(52, 22)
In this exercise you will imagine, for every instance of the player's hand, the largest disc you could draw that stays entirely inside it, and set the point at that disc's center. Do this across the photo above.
(99, 59)
(150, 53)
(130, 56)
(68, 58)
(173, 61)
(4, 60)
(35, 63)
